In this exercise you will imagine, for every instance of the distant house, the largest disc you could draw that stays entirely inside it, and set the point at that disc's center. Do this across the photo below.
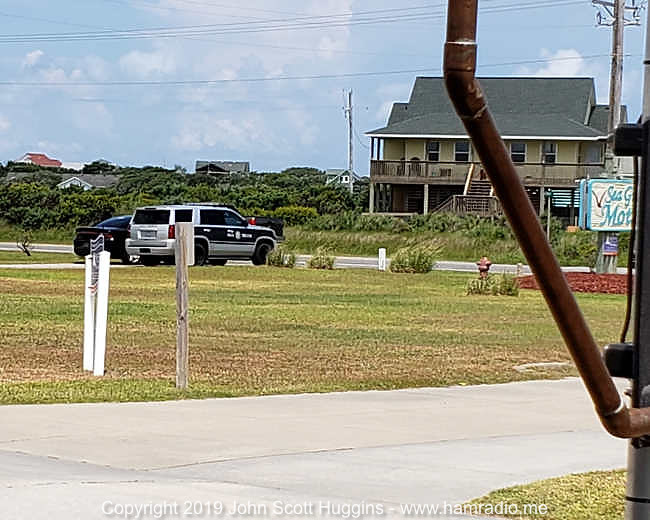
(222, 167)
(422, 161)
(40, 159)
(340, 176)
(88, 182)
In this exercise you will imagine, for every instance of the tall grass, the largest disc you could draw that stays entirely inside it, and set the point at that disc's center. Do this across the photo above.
(453, 246)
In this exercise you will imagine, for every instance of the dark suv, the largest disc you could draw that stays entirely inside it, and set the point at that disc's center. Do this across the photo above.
(220, 234)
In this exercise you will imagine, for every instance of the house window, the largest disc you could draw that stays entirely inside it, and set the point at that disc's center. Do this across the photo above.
(346, 179)
(461, 151)
(549, 154)
(518, 152)
(593, 153)
(433, 151)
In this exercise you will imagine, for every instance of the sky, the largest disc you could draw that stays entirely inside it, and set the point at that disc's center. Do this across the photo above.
(169, 82)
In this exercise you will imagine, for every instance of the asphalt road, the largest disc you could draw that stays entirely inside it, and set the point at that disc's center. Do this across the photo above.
(436, 446)
(341, 262)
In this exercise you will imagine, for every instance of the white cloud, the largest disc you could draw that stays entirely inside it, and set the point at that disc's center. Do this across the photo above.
(268, 53)
(96, 68)
(5, 124)
(389, 94)
(146, 64)
(562, 63)
(53, 148)
(31, 58)
(246, 133)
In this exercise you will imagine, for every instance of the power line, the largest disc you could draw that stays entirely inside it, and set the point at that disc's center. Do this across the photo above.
(208, 82)
(317, 22)
(262, 23)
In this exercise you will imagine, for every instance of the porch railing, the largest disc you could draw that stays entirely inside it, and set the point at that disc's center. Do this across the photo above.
(559, 174)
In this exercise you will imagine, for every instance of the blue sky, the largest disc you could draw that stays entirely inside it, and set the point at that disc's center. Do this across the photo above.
(61, 97)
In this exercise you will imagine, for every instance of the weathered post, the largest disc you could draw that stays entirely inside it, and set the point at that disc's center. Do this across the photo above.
(184, 232)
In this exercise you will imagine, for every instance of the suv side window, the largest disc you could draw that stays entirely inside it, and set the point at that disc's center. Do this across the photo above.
(232, 219)
(212, 217)
(183, 215)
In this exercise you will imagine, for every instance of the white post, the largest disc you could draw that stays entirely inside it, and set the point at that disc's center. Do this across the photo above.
(102, 312)
(426, 199)
(89, 318)
(382, 259)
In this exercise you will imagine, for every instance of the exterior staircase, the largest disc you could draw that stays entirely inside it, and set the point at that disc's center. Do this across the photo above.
(479, 188)
(478, 199)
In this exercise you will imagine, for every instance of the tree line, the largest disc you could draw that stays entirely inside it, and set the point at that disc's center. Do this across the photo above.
(30, 199)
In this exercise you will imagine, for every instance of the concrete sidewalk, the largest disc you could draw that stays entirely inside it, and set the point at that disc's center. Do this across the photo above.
(424, 446)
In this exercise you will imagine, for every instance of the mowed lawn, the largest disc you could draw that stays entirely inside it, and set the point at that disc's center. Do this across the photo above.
(267, 330)
(17, 257)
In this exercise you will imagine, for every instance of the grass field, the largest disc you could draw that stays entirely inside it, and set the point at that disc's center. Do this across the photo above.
(266, 330)
(586, 496)
(453, 246)
(10, 257)
(51, 236)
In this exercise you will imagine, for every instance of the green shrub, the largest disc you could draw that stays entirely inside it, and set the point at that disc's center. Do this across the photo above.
(279, 257)
(321, 260)
(415, 259)
(494, 285)
(295, 215)
(579, 248)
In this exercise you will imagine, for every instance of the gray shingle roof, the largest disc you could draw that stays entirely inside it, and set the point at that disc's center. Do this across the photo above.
(525, 107)
(223, 166)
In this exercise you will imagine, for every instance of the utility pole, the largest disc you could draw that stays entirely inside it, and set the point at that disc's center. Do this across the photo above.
(348, 115)
(637, 495)
(634, 140)
(614, 11)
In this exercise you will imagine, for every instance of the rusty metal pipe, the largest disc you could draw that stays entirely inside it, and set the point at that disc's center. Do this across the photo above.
(471, 105)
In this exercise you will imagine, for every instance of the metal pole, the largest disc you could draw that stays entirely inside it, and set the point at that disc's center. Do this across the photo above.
(637, 496)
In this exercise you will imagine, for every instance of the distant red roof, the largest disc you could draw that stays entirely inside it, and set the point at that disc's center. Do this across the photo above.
(40, 159)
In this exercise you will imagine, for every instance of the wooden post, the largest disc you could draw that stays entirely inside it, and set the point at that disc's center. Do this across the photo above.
(182, 306)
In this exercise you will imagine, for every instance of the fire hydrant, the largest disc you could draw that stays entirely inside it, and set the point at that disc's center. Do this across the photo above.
(483, 266)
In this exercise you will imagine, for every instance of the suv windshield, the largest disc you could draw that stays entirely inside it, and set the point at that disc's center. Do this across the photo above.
(151, 216)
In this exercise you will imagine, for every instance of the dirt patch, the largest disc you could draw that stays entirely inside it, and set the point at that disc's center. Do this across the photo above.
(586, 282)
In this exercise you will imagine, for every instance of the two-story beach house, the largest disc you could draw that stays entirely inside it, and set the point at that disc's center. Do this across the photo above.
(422, 160)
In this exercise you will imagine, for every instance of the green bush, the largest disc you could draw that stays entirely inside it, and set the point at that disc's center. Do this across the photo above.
(415, 259)
(295, 215)
(279, 257)
(494, 285)
(321, 260)
(579, 248)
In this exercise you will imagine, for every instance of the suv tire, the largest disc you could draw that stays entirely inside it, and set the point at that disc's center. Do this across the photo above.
(126, 258)
(261, 252)
(149, 260)
(200, 254)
